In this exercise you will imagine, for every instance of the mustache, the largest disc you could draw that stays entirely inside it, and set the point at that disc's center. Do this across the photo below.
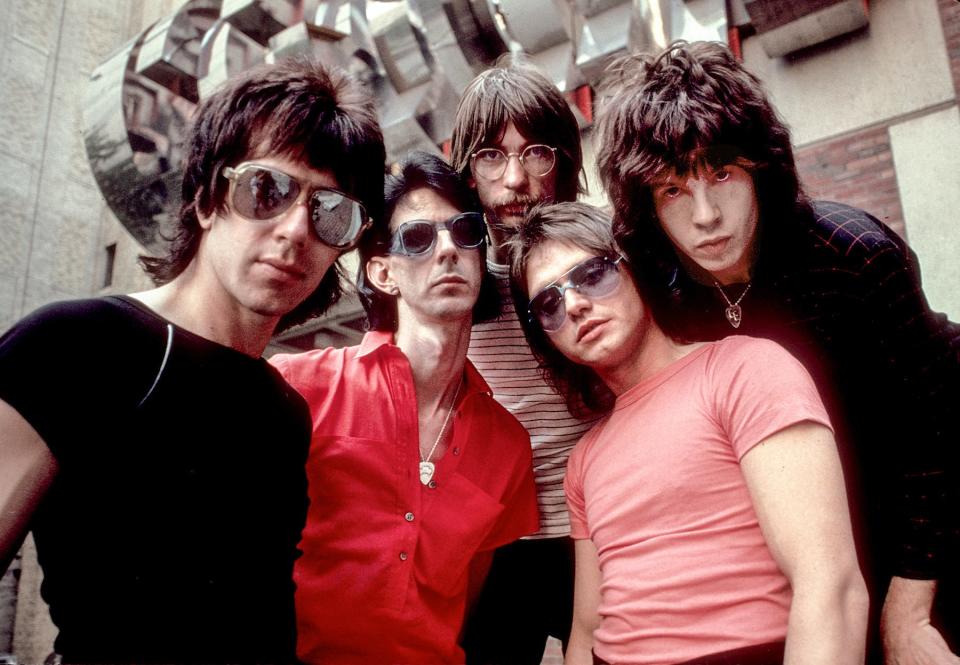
(515, 200)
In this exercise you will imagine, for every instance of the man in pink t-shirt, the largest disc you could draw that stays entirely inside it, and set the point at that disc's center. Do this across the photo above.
(708, 507)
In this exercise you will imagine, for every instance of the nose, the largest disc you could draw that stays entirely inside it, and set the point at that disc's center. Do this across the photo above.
(294, 224)
(576, 303)
(446, 249)
(706, 212)
(515, 176)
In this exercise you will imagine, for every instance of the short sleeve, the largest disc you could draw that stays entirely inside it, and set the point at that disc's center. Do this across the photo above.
(573, 488)
(760, 390)
(520, 516)
(61, 364)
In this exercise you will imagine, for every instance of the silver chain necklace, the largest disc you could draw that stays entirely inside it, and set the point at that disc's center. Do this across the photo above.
(426, 466)
(733, 312)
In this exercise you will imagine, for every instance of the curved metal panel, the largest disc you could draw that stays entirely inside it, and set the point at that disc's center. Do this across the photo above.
(133, 134)
(399, 48)
(170, 52)
(262, 19)
(226, 52)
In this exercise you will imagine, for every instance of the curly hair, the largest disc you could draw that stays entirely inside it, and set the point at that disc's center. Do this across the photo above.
(419, 170)
(590, 228)
(692, 106)
(515, 91)
(299, 109)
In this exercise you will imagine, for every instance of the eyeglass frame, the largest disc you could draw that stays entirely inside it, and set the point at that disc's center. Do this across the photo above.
(520, 158)
(232, 173)
(563, 284)
(396, 246)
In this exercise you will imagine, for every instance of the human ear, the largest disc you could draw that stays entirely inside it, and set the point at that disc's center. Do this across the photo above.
(205, 221)
(379, 275)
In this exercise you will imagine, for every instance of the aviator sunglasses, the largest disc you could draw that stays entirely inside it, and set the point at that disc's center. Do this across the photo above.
(416, 237)
(596, 277)
(260, 193)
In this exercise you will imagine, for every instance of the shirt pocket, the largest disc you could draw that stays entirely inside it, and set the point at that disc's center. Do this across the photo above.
(455, 525)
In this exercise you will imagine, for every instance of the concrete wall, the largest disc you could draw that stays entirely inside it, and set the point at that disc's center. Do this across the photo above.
(53, 222)
(874, 120)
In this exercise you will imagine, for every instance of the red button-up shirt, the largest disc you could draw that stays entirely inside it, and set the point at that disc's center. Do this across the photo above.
(383, 576)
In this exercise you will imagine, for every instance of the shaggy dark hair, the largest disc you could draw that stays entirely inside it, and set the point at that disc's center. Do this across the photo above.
(691, 107)
(589, 228)
(419, 170)
(515, 91)
(298, 109)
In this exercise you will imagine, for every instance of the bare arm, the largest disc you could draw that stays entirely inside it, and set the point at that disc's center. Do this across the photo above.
(795, 481)
(586, 601)
(26, 473)
(908, 636)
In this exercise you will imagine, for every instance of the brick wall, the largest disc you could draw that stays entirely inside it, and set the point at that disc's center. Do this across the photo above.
(856, 169)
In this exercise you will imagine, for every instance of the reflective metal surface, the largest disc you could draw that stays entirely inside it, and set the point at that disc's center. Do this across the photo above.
(415, 55)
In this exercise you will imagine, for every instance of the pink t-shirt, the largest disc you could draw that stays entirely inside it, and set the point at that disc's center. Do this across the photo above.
(657, 487)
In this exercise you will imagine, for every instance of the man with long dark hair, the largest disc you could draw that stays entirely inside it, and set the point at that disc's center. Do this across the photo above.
(708, 205)
(158, 459)
(517, 143)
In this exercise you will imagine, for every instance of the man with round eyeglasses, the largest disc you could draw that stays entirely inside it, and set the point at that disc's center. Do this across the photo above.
(708, 507)
(156, 456)
(416, 473)
(517, 143)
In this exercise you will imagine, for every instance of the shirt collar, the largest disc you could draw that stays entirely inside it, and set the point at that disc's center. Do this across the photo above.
(374, 340)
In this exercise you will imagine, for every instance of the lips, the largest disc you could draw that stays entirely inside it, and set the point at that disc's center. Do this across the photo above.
(588, 327)
(448, 279)
(291, 270)
(714, 245)
(514, 209)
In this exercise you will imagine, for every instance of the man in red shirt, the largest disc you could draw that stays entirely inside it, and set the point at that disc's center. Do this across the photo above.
(416, 473)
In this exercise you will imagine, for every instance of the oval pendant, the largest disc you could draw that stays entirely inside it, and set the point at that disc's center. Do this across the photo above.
(426, 472)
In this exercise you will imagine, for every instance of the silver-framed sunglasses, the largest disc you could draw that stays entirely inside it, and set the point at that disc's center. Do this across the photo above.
(595, 277)
(260, 193)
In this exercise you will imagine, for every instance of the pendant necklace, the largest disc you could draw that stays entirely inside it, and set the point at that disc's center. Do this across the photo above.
(733, 312)
(426, 466)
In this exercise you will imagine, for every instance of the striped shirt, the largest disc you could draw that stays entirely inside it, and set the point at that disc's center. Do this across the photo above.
(499, 350)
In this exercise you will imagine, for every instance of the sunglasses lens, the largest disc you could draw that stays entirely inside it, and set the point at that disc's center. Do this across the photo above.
(263, 194)
(336, 218)
(548, 308)
(418, 237)
(596, 278)
(468, 230)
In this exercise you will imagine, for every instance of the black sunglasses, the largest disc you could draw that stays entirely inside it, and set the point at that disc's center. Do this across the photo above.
(467, 230)
(260, 193)
(596, 277)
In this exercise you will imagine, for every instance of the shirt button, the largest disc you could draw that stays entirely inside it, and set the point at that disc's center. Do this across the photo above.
(432, 484)
(408, 517)
(403, 556)
(456, 451)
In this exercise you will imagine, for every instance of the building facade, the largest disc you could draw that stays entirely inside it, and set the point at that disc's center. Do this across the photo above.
(873, 110)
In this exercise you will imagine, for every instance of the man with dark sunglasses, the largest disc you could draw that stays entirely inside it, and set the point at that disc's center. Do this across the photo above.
(416, 473)
(158, 459)
(708, 507)
(517, 143)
